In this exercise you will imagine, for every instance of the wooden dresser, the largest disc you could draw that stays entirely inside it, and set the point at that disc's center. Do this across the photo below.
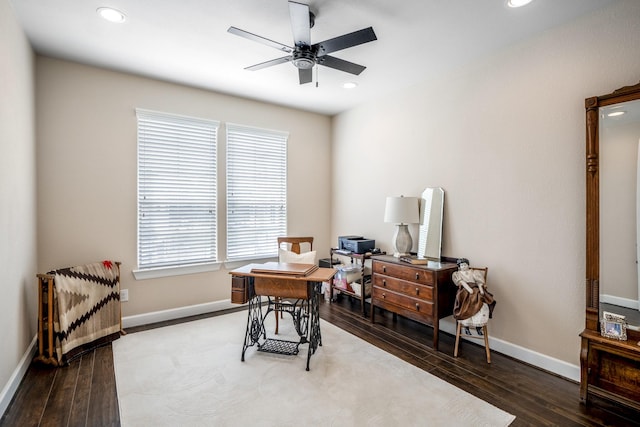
(424, 293)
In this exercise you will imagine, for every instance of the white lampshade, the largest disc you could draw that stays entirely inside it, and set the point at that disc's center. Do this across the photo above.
(402, 210)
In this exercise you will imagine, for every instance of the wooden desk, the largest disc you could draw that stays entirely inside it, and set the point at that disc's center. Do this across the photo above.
(303, 290)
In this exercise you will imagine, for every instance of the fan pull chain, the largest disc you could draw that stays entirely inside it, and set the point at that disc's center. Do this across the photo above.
(317, 72)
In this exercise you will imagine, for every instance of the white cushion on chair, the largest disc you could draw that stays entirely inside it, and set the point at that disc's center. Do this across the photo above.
(479, 319)
(292, 257)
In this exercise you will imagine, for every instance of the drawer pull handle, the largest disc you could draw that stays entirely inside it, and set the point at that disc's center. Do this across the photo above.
(417, 306)
(384, 268)
(384, 282)
(417, 276)
(384, 296)
(417, 291)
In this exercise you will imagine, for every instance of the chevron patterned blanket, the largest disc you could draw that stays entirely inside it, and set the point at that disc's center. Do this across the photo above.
(86, 306)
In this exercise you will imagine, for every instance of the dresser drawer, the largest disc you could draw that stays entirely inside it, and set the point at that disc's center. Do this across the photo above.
(424, 293)
(285, 288)
(422, 307)
(239, 290)
(412, 289)
(417, 275)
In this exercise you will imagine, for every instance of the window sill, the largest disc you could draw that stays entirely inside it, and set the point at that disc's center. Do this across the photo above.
(155, 273)
(231, 265)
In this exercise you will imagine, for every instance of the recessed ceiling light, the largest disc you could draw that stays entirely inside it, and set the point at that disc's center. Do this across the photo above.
(350, 85)
(518, 3)
(616, 113)
(112, 15)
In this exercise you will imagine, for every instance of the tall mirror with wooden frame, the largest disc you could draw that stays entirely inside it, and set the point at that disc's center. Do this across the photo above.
(609, 363)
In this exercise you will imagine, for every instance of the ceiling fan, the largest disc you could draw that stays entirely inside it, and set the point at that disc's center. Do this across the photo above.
(305, 55)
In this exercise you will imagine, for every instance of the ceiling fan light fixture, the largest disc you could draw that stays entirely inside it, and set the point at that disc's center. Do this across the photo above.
(112, 15)
(303, 59)
(518, 3)
(303, 63)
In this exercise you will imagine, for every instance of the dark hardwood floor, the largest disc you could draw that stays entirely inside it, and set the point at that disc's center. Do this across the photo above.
(84, 393)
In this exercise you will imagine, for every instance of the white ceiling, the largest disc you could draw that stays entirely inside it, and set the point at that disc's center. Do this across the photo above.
(186, 41)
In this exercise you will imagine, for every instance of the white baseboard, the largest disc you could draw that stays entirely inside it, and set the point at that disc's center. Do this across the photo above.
(542, 361)
(621, 302)
(14, 381)
(176, 313)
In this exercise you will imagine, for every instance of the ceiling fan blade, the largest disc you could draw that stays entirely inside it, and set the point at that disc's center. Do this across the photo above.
(259, 39)
(347, 40)
(300, 23)
(340, 64)
(305, 75)
(270, 63)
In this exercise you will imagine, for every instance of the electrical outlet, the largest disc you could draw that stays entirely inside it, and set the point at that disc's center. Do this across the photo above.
(124, 295)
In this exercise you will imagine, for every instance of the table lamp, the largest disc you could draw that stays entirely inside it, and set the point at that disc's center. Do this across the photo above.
(402, 211)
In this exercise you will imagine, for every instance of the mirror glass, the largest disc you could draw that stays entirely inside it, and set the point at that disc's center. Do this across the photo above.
(431, 210)
(619, 139)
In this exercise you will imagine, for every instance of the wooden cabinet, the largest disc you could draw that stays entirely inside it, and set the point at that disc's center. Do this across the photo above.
(610, 369)
(424, 293)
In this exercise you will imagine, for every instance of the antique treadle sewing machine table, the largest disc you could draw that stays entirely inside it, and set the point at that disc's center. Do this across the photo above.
(289, 288)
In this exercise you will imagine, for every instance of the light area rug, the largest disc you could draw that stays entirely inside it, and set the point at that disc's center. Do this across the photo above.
(190, 374)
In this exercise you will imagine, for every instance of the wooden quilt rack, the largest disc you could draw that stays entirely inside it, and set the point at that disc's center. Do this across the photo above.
(46, 345)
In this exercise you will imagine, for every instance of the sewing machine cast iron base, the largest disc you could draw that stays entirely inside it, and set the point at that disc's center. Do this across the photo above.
(306, 320)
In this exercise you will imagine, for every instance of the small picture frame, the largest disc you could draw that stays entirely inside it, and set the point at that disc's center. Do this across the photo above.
(613, 326)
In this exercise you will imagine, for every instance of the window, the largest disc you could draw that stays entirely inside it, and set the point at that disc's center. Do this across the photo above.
(256, 191)
(177, 187)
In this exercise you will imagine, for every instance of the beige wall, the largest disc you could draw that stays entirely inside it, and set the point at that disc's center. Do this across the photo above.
(87, 173)
(17, 196)
(505, 139)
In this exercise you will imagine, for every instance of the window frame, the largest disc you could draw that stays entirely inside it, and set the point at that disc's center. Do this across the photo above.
(191, 166)
(246, 148)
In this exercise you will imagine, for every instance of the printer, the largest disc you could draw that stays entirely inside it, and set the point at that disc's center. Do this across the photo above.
(356, 244)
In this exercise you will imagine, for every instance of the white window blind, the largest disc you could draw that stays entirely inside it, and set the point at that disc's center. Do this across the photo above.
(176, 190)
(256, 191)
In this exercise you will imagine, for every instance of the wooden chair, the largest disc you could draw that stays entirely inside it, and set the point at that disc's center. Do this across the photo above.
(291, 244)
(467, 323)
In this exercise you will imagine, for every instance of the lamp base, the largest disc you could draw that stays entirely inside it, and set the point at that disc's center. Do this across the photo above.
(402, 241)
